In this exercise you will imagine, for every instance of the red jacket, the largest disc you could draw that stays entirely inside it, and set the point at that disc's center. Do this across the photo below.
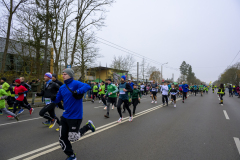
(19, 89)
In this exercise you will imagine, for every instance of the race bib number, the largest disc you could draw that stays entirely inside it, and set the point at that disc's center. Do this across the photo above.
(16, 96)
(47, 101)
(25, 95)
(121, 91)
(153, 90)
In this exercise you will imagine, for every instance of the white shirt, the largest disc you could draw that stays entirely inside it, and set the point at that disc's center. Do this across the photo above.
(164, 90)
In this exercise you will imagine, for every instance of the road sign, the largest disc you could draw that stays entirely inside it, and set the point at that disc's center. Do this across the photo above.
(69, 66)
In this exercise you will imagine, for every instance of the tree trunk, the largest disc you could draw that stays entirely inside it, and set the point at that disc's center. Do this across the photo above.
(46, 39)
(7, 38)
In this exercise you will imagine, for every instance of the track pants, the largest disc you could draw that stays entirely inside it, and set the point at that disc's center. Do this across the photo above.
(10, 101)
(50, 108)
(165, 99)
(126, 105)
(20, 104)
(66, 126)
(7, 112)
(135, 103)
(103, 99)
(195, 92)
(109, 101)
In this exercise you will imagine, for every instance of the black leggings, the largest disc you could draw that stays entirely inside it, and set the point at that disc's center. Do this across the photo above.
(103, 99)
(19, 104)
(184, 95)
(135, 103)
(25, 101)
(126, 105)
(195, 92)
(69, 125)
(50, 108)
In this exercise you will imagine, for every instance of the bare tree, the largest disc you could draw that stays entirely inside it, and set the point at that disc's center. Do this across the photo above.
(11, 10)
(123, 63)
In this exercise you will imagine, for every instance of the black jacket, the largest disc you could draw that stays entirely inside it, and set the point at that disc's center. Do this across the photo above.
(58, 82)
(26, 86)
(50, 90)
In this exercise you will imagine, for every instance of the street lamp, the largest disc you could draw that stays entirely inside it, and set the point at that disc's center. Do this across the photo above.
(161, 69)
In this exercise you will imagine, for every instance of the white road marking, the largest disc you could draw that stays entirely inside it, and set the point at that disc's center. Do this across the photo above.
(225, 113)
(237, 143)
(88, 134)
(20, 121)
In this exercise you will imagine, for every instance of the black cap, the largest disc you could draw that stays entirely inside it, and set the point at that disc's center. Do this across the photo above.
(33, 81)
(3, 78)
(54, 75)
(109, 80)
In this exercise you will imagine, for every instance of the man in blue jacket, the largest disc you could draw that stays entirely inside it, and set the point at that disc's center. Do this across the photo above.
(72, 116)
(185, 90)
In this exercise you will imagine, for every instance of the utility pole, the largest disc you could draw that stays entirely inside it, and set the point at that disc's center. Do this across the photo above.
(46, 38)
(161, 70)
(137, 71)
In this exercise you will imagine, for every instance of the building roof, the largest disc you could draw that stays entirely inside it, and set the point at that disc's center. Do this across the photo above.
(105, 68)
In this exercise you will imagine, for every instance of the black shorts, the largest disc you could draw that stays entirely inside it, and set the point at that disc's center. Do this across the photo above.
(112, 100)
(154, 93)
(173, 97)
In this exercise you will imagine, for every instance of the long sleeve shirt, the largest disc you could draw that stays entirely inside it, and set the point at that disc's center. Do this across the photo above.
(164, 90)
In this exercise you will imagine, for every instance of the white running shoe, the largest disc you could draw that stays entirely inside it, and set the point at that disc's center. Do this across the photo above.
(105, 108)
(152, 101)
(100, 101)
(156, 102)
(120, 120)
(113, 107)
(130, 119)
(175, 105)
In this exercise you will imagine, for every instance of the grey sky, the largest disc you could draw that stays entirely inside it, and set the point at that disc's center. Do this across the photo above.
(206, 34)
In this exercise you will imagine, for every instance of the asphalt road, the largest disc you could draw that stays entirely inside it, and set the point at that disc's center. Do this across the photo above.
(199, 129)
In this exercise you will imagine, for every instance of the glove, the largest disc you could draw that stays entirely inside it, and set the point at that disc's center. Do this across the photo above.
(73, 136)
(77, 96)
(20, 93)
(53, 98)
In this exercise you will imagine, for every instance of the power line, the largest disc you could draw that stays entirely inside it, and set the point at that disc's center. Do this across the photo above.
(235, 57)
(137, 54)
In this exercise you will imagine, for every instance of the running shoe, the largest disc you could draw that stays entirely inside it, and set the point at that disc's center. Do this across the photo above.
(175, 105)
(152, 102)
(156, 102)
(53, 122)
(91, 125)
(105, 108)
(10, 116)
(20, 111)
(182, 101)
(92, 101)
(113, 107)
(130, 119)
(106, 115)
(100, 101)
(72, 158)
(31, 111)
(120, 120)
(57, 129)
(1, 113)
(16, 118)
(163, 104)
(47, 123)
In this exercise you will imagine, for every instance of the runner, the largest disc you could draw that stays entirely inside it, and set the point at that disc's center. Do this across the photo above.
(173, 93)
(112, 95)
(50, 89)
(221, 92)
(230, 91)
(142, 89)
(195, 87)
(71, 93)
(8, 89)
(135, 97)
(154, 88)
(201, 89)
(28, 87)
(102, 93)
(185, 90)
(124, 89)
(164, 91)
(3, 96)
(19, 95)
(95, 92)
(212, 89)
(180, 90)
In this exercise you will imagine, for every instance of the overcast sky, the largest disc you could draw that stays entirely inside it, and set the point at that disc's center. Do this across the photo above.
(204, 33)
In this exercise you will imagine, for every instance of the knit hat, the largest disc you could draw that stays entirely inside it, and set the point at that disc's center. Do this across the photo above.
(18, 81)
(123, 77)
(54, 75)
(49, 75)
(3, 78)
(69, 71)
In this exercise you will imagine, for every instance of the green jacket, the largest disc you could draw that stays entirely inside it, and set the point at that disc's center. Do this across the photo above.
(135, 94)
(112, 88)
(102, 89)
(221, 91)
(34, 87)
(6, 86)
(3, 93)
(95, 88)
